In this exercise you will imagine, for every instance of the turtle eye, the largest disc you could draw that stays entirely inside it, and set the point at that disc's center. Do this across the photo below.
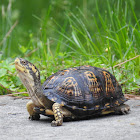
(23, 62)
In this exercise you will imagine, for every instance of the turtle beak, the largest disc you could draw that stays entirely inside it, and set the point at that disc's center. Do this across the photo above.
(18, 66)
(17, 61)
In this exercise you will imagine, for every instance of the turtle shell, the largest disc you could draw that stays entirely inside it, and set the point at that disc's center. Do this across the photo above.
(84, 90)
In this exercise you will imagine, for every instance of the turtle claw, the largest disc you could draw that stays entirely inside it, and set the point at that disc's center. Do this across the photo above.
(34, 117)
(53, 124)
(125, 111)
(122, 109)
(56, 123)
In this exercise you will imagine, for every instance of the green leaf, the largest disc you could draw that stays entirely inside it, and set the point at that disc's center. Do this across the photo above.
(3, 72)
(4, 84)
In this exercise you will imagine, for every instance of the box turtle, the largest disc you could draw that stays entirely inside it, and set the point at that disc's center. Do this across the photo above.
(71, 93)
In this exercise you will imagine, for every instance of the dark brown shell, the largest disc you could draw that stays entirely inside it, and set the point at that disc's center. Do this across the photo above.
(84, 90)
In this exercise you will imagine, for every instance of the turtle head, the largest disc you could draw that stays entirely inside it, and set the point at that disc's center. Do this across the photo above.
(27, 72)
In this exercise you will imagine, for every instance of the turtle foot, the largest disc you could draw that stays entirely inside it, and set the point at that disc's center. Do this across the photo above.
(122, 109)
(34, 117)
(56, 123)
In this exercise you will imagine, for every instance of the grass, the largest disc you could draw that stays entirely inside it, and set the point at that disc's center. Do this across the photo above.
(104, 39)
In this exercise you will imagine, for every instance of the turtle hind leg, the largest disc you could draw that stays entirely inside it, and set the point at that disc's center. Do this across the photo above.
(57, 109)
(30, 108)
(122, 109)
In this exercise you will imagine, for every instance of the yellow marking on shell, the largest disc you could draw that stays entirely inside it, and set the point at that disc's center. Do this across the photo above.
(108, 83)
(70, 92)
(98, 89)
(69, 80)
(87, 66)
(93, 83)
(70, 87)
(85, 107)
(117, 103)
(53, 79)
(97, 107)
(107, 112)
(74, 69)
(66, 70)
(122, 99)
(73, 107)
(62, 73)
(107, 105)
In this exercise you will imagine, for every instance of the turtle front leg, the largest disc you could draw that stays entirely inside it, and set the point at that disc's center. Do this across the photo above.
(57, 110)
(30, 108)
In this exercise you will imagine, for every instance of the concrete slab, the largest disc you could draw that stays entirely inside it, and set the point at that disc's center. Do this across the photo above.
(14, 124)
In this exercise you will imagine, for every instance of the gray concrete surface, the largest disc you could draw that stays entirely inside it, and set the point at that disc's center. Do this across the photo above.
(14, 125)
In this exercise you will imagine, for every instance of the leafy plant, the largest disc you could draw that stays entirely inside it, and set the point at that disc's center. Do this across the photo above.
(89, 34)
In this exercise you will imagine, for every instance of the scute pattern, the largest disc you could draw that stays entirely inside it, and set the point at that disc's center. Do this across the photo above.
(69, 87)
(93, 84)
(84, 90)
(108, 83)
